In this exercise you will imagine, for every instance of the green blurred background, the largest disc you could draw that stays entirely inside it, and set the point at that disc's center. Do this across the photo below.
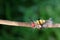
(22, 10)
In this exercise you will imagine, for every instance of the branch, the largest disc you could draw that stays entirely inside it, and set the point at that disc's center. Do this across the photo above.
(13, 23)
(25, 24)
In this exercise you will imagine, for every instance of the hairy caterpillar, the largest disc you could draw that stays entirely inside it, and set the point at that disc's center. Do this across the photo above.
(42, 23)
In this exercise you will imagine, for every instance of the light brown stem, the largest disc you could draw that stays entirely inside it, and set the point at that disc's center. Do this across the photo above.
(24, 24)
(13, 23)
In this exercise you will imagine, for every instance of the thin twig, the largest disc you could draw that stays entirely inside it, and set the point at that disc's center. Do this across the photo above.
(13, 23)
(24, 24)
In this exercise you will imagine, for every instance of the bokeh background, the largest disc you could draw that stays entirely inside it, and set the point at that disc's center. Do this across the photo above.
(21, 11)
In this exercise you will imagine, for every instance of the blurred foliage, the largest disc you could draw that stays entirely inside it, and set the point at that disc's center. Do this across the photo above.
(22, 10)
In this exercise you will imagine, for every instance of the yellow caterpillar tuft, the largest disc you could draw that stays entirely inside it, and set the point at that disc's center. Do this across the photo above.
(40, 22)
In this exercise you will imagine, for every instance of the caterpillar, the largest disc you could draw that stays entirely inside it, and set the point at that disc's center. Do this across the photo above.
(38, 23)
(41, 23)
